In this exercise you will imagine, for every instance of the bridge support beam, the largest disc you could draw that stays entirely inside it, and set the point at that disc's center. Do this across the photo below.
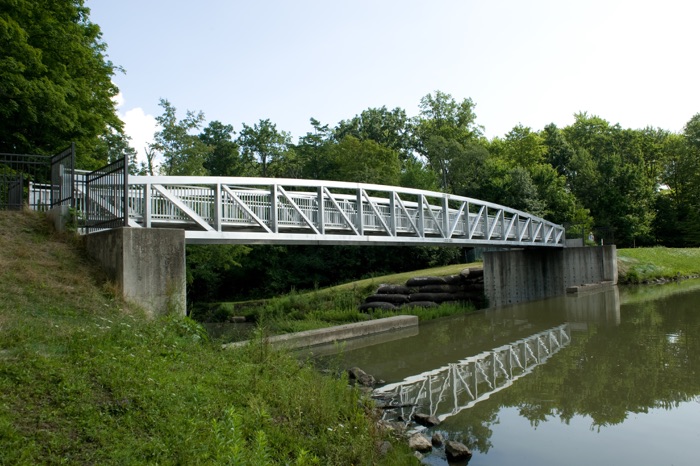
(517, 276)
(147, 264)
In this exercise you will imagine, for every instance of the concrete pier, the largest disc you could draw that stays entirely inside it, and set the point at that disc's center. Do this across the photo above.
(147, 264)
(521, 275)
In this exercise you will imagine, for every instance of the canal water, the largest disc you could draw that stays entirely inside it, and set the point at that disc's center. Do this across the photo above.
(606, 378)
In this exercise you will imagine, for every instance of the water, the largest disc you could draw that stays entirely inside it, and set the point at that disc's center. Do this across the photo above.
(605, 378)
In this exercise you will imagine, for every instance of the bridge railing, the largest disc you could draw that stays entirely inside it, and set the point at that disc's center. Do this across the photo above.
(219, 209)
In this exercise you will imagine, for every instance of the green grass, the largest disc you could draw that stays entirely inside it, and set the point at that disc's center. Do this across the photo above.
(299, 311)
(87, 379)
(645, 264)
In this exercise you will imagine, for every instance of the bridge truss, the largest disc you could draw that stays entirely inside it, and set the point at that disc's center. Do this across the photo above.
(450, 389)
(294, 211)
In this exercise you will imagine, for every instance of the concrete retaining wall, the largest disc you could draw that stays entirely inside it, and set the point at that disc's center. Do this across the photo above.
(524, 275)
(147, 264)
(338, 333)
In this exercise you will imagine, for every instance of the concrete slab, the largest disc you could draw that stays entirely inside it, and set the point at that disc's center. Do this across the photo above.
(333, 334)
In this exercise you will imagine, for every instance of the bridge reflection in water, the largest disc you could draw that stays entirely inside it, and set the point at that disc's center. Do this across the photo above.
(450, 389)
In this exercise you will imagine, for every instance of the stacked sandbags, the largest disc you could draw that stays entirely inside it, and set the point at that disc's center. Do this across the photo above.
(468, 286)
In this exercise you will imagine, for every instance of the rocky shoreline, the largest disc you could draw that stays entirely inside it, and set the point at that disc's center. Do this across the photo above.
(409, 430)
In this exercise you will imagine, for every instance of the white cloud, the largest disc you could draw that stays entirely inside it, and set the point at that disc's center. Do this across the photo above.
(138, 125)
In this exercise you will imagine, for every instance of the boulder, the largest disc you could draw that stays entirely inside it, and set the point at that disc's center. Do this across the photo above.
(456, 451)
(361, 377)
(437, 440)
(419, 442)
(426, 420)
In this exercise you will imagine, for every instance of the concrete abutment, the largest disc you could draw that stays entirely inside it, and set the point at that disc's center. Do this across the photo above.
(517, 276)
(147, 264)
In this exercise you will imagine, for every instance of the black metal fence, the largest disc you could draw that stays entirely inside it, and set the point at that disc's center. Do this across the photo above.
(106, 197)
(25, 180)
(63, 182)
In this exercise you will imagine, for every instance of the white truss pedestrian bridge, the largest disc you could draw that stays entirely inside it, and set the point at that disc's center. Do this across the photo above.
(446, 391)
(294, 211)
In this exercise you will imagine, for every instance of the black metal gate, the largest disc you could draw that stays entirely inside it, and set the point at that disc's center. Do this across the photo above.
(106, 197)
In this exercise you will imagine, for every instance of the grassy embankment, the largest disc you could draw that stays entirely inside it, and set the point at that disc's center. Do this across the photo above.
(642, 265)
(299, 311)
(87, 379)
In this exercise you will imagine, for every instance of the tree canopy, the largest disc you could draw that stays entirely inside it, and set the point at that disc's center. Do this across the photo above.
(55, 80)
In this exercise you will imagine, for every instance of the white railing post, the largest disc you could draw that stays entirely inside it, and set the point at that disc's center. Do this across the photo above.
(360, 214)
(321, 211)
(274, 206)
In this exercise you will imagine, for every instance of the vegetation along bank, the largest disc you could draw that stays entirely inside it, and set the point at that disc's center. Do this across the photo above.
(86, 379)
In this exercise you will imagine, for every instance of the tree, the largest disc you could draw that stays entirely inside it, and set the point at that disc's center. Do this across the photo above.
(680, 205)
(608, 173)
(363, 162)
(264, 143)
(391, 129)
(183, 153)
(312, 151)
(113, 146)
(224, 158)
(559, 151)
(55, 80)
(443, 129)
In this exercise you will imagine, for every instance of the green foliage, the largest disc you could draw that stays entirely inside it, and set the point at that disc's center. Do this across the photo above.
(389, 128)
(207, 266)
(183, 153)
(225, 158)
(55, 80)
(363, 161)
(264, 143)
(443, 130)
(86, 379)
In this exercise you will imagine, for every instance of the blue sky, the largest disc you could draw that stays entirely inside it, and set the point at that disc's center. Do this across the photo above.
(522, 62)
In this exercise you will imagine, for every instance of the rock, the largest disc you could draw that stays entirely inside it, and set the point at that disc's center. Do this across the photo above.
(423, 281)
(361, 377)
(437, 439)
(387, 298)
(384, 448)
(456, 451)
(393, 289)
(426, 419)
(419, 442)
(376, 305)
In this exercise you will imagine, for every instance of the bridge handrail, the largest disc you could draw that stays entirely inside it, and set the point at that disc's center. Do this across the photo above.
(302, 211)
(305, 183)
